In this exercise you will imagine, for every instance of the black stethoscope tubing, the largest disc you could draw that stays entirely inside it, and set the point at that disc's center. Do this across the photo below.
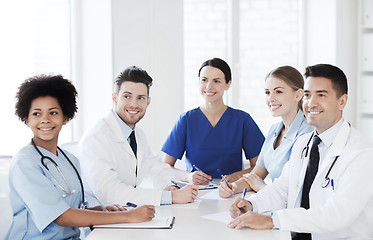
(43, 157)
(305, 153)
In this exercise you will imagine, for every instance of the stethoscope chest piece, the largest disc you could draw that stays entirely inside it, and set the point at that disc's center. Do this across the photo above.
(326, 182)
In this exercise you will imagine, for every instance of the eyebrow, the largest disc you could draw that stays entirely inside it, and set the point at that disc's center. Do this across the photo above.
(39, 109)
(141, 95)
(317, 91)
(275, 88)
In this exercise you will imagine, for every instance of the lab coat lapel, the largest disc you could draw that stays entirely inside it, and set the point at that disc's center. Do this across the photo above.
(119, 138)
(336, 149)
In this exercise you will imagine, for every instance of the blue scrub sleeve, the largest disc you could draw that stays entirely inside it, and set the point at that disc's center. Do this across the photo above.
(43, 202)
(253, 138)
(175, 144)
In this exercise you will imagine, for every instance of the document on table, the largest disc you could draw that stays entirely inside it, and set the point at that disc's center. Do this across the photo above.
(214, 194)
(159, 222)
(223, 217)
(194, 204)
(212, 185)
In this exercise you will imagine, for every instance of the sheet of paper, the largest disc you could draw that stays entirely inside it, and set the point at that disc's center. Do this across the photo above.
(214, 194)
(194, 204)
(157, 222)
(223, 217)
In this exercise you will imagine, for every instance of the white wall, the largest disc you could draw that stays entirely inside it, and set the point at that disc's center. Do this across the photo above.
(120, 33)
(330, 36)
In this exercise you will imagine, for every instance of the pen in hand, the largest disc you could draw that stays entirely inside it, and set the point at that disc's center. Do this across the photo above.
(244, 193)
(129, 204)
(196, 168)
(225, 180)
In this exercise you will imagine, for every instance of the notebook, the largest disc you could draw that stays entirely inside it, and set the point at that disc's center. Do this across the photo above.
(159, 222)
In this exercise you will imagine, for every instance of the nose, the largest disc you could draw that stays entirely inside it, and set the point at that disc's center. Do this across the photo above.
(45, 118)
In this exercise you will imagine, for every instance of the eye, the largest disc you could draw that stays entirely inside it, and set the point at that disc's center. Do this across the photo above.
(126, 96)
(203, 79)
(266, 92)
(35, 114)
(278, 91)
(142, 98)
(307, 95)
(217, 81)
(53, 113)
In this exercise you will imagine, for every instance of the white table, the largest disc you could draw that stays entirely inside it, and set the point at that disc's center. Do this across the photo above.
(190, 225)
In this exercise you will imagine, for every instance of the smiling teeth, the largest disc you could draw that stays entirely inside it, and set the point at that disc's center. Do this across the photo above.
(314, 112)
(132, 112)
(45, 129)
(210, 94)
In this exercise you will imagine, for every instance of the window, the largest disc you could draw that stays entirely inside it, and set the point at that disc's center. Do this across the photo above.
(267, 37)
(36, 40)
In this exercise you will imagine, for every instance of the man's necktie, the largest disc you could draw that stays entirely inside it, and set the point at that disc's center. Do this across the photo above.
(312, 168)
(133, 143)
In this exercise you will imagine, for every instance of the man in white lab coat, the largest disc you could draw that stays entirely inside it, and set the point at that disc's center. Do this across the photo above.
(116, 157)
(340, 199)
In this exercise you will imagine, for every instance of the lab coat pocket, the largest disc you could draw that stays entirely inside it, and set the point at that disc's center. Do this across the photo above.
(329, 191)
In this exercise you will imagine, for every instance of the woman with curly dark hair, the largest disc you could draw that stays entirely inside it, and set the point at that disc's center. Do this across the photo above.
(46, 191)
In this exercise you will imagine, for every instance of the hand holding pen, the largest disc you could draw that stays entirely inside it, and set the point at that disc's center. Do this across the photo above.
(225, 180)
(199, 177)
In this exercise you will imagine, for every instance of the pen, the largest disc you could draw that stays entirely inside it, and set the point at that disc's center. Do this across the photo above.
(129, 204)
(332, 183)
(178, 184)
(195, 167)
(225, 180)
(244, 193)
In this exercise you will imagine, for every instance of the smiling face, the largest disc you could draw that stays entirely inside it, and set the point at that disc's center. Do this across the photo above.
(282, 100)
(46, 120)
(213, 84)
(321, 105)
(131, 102)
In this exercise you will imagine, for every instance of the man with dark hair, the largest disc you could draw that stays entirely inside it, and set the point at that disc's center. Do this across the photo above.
(324, 191)
(116, 157)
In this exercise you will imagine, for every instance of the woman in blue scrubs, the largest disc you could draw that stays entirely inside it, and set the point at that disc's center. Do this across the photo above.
(284, 93)
(45, 187)
(213, 135)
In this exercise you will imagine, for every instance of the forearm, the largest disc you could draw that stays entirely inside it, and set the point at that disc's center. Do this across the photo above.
(84, 218)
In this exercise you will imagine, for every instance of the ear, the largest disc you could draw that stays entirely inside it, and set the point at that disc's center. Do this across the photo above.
(27, 123)
(114, 97)
(149, 99)
(342, 101)
(228, 85)
(299, 94)
(65, 120)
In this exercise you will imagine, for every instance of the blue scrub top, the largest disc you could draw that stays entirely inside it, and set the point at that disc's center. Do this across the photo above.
(211, 148)
(36, 198)
(273, 160)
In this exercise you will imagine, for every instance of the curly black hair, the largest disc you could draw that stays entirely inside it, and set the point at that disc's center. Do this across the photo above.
(46, 85)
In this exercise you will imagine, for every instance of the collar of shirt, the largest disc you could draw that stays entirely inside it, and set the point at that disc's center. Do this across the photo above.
(291, 134)
(125, 128)
(327, 138)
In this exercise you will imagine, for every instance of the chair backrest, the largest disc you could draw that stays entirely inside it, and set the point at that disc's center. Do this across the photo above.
(5, 208)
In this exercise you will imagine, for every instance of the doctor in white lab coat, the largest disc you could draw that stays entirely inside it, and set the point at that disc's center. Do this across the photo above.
(111, 168)
(341, 202)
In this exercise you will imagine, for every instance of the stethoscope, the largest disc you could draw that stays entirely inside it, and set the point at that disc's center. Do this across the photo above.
(305, 153)
(67, 192)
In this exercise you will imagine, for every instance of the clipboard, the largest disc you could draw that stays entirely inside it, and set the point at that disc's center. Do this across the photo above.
(159, 222)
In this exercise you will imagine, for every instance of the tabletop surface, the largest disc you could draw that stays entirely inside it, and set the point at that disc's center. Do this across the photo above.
(190, 223)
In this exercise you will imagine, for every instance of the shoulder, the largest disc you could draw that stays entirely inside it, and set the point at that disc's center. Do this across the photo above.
(26, 157)
(357, 140)
(193, 113)
(101, 127)
(239, 114)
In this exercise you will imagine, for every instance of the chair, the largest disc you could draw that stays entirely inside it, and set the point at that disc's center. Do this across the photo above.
(5, 208)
